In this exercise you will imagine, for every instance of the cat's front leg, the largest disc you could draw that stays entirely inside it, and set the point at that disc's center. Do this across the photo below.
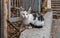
(28, 26)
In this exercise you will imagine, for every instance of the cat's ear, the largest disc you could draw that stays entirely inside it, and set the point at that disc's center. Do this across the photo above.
(29, 10)
(22, 9)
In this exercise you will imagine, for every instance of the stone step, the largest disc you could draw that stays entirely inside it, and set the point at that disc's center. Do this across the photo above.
(55, 9)
(56, 12)
(55, 4)
(57, 15)
(55, 0)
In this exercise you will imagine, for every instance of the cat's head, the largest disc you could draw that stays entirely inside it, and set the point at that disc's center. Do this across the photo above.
(24, 13)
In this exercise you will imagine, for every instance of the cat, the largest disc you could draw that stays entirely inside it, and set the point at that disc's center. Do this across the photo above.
(34, 19)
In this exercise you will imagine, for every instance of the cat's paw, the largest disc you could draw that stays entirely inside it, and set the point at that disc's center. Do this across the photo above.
(30, 27)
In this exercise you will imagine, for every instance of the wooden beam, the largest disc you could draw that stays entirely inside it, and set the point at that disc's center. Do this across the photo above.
(5, 17)
(15, 7)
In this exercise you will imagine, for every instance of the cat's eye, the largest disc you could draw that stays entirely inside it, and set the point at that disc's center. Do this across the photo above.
(23, 14)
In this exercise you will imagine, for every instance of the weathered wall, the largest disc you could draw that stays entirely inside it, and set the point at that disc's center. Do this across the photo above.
(2, 18)
(56, 16)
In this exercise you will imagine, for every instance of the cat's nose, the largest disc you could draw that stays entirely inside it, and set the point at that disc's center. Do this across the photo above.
(25, 17)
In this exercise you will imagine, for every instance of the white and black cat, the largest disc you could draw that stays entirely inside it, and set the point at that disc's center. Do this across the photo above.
(36, 20)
